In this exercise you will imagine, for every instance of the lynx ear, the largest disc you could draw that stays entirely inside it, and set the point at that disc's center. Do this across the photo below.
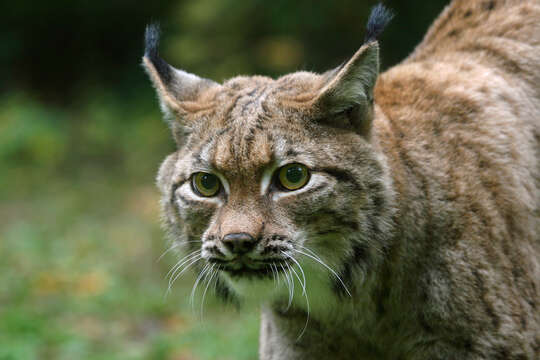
(173, 86)
(349, 89)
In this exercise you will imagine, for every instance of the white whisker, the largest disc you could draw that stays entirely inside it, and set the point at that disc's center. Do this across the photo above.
(291, 277)
(178, 266)
(311, 251)
(288, 286)
(277, 274)
(213, 272)
(191, 262)
(304, 293)
(180, 262)
(303, 283)
(217, 278)
(273, 274)
(317, 259)
(174, 246)
(201, 274)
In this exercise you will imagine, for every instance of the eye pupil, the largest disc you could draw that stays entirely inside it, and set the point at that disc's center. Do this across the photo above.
(208, 181)
(295, 174)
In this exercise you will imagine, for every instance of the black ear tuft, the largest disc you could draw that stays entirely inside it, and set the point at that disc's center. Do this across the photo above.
(151, 40)
(378, 19)
(151, 45)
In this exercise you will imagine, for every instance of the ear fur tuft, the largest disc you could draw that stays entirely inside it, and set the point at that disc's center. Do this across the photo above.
(151, 40)
(151, 51)
(173, 86)
(379, 18)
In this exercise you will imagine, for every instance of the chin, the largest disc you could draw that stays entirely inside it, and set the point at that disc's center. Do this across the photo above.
(253, 286)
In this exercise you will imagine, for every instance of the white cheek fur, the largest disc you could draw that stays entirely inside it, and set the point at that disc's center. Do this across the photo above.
(186, 191)
(267, 179)
(224, 183)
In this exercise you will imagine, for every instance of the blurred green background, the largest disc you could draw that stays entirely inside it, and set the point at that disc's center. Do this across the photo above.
(80, 143)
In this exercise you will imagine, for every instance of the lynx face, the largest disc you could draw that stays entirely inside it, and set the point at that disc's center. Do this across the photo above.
(273, 174)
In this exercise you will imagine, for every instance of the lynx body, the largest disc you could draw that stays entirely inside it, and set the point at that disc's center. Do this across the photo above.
(415, 230)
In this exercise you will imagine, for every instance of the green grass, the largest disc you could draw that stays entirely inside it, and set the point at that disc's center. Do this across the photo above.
(80, 242)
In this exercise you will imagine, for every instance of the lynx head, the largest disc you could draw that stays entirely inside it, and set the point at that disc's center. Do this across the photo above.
(274, 174)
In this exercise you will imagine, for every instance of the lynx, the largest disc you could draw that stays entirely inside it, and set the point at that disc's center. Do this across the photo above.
(391, 216)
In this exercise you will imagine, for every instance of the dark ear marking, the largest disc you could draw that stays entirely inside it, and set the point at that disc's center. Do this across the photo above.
(379, 18)
(174, 87)
(151, 51)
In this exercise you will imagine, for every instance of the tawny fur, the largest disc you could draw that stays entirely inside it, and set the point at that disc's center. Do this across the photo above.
(426, 202)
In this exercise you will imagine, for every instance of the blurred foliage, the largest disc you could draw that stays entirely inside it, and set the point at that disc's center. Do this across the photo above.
(81, 141)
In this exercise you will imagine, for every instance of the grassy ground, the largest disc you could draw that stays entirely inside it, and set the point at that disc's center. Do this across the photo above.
(80, 242)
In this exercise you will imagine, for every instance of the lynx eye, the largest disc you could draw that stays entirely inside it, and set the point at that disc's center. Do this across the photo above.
(293, 176)
(205, 184)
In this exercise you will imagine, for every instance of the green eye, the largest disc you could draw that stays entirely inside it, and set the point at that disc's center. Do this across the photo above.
(205, 184)
(293, 176)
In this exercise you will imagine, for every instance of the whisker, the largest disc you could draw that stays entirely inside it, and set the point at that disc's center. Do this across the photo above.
(273, 274)
(305, 295)
(291, 277)
(327, 267)
(178, 266)
(180, 262)
(213, 273)
(192, 296)
(311, 251)
(191, 262)
(303, 283)
(318, 257)
(216, 282)
(174, 246)
(277, 274)
(298, 277)
(288, 286)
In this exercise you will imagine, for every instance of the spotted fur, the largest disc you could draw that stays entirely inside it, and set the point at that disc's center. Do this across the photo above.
(423, 201)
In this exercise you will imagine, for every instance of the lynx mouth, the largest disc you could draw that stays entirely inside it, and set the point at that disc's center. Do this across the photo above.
(252, 268)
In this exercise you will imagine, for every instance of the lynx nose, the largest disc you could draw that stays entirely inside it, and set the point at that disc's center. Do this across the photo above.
(239, 243)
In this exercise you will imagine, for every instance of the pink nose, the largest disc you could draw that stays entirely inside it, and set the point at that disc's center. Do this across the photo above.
(239, 243)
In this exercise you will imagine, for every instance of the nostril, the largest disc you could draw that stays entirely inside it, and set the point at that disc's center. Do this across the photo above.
(239, 243)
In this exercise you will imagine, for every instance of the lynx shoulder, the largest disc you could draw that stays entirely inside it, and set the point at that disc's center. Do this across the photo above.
(391, 216)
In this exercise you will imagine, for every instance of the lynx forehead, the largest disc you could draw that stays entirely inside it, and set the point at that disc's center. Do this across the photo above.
(390, 217)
